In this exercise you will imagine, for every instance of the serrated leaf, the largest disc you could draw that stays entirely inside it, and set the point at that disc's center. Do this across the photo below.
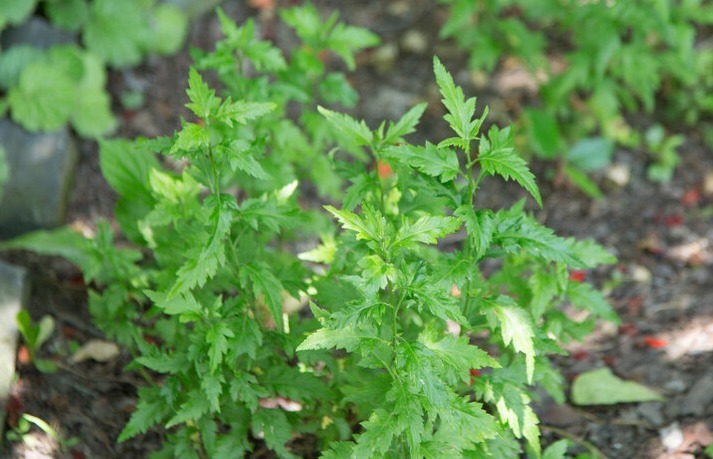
(293, 383)
(346, 40)
(586, 297)
(191, 410)
(460, 111)
(517, 329)
(190, 138)
(265, 284)
(357, 131)
(505, 162)
(590, 253)
(273, 425)
(426, 230)
(429, 159)
(372, 227)
(164, 363)
(602, 387)
(242, 111)
(212, 387)
(324, 338)
(379, 433)
(203, 101)
(406, 125)
(151, 409)
(480, 226)
(459, 355)
(240, 158)
(217, 340)
(514, 408)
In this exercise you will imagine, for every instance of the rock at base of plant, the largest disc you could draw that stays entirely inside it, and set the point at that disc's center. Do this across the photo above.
(13, 294)
(41, 167)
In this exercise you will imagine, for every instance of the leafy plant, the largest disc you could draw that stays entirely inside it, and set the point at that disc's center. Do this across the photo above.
(46, 89)
(35, 335)
(663, 149)
(413, 348)
(618, 57)
(24, 425)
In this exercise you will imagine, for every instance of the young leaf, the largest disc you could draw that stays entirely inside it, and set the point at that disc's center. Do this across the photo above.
(602, 387)
(151, 409)
(586, 297)
(426, 230)
(203, 101)
(480, 225)
(406, 125)
(517, 328)
(497, 157)
(431, 160)
(357, 131)
(460, 111)
(372, 227)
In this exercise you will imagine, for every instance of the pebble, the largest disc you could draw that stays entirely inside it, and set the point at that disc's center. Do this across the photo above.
(414, 41)
(640, 274)
(618, 174)
(652, 412)
(699, 398)
(671, 436)
(384, 56)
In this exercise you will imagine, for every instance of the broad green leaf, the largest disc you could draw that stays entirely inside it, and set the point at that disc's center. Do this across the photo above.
(460, 111)
(15, 11)
(357, 131)
(426, 230)
(498, 158)
(406, 125)
(517, 329)
(591, 154)
(170, 26)
(431, 160)
(127, 169)
(92, 116)
(14, 60)
(602, 387)
(68, 14)
(44, 97)
(117, 32)
(61, 242)
(544, 133)
(151, 409)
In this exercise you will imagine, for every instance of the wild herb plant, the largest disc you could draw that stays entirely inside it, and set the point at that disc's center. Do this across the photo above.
(615, 58)
(412, 349)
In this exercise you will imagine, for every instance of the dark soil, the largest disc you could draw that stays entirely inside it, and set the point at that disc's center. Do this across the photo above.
(662, 234)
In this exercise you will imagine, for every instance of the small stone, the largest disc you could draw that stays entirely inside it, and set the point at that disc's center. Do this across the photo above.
(699, 397)
(675, 386)
(640, 274)
(707, 187)
(97, 350)
(671, 436)
(618, 174)
(652, 412)
(414, 41)
(383, 57)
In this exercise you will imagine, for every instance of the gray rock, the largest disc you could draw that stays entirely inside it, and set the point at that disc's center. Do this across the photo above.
(13, 295)
(652, 412)
(38, 32)
(699, 397)
(41, 168)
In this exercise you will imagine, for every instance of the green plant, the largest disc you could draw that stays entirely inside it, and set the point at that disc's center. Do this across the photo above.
(615, 58)
(663, 149)
(46, 89)
(24, 425)
(442, 346)
(35, 335)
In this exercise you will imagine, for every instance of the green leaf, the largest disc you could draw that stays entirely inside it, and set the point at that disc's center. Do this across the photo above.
(602, 387)
(191, 410)
(430, 159)
(544, 133)
(127, 169)
(191, 138)
(44, 97)
(14, 60)
(61, 242)
(426, 230)
(203, 101)
(357, 131)
(240, 157)
(325, 338)
(151, 409)
(242, 111)
(217, 339)
(380, 430)
(161, 362)
(346, 40)
(584, 296)
(117, 32)
(170, 26)
(458, 355)
(460, 111)
(274, 427)
(557, 450)
(583, 182)
(498, 157)
(591, 154)
(518, 330)
(406, 125)
(514, 408)
(266, 284)
(371, 228)
(68, 14)
(15, 11)
(480, 226)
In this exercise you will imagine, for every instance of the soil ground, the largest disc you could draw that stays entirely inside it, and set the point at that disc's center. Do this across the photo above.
(661, 233)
